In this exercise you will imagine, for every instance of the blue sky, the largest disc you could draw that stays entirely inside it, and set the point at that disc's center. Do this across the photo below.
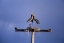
(14, 13)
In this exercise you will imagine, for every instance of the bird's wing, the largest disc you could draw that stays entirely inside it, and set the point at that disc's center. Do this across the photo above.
(37, 21)
(30, 19)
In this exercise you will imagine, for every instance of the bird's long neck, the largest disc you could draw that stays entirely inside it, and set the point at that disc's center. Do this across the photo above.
(33, 17)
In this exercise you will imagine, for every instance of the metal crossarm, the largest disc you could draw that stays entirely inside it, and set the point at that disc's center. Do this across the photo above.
(32, 30)
(49, 30)
(19, 30)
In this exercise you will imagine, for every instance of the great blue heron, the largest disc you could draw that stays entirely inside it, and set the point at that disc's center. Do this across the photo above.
(33, 18)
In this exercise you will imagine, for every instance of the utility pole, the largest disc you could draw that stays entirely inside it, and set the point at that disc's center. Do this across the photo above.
(32, 29)
(32, 37)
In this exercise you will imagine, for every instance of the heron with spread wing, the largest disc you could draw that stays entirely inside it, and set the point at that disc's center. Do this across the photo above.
(32, 18)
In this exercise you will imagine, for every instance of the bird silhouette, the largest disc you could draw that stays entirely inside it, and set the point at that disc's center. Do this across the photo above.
(32, 18)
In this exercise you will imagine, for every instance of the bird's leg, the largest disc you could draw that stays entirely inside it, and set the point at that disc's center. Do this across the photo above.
(29, 24)
(32, 24)
(36, 26)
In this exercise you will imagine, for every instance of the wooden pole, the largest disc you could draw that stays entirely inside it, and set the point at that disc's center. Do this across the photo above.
(32, 37)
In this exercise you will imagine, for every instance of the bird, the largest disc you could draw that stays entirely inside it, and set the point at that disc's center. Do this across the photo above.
(33, 18)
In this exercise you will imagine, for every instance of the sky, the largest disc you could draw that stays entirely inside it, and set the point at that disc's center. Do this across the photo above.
(15, 13)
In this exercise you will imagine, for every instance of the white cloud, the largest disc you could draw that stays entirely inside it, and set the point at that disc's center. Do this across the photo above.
(11, 26)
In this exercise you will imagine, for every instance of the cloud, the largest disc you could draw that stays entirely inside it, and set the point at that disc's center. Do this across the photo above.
(10, 26)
